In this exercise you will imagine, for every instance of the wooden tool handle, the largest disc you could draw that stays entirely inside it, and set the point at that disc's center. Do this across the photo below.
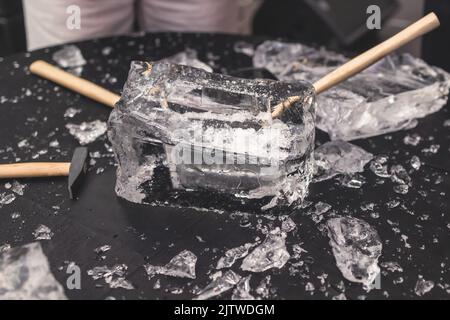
(361, 62)
(74, 83)
(34, 170)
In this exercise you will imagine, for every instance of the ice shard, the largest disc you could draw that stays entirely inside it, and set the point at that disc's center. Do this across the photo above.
(184, 136)
(25, 275)
(271, 253)
(181, 266)
(389, 96)
(222, 284)
(356, 247)
(339, 157)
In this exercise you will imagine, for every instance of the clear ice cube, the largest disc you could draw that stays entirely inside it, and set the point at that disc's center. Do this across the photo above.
(387, 97)
(184, 136)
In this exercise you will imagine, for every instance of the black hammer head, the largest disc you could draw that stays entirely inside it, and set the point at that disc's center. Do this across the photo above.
(78, 168)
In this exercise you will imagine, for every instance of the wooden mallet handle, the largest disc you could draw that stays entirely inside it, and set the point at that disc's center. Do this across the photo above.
(363, 61)
(74, 83)
(34, 170)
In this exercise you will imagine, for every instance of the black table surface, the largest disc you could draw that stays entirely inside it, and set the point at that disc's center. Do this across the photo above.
(415, 234)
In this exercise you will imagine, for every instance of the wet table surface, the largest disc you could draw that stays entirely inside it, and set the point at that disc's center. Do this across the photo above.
(415, 234)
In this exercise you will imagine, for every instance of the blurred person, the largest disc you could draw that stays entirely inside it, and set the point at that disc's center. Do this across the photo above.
(48, 21)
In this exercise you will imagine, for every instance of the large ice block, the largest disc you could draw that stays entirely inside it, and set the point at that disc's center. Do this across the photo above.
(186, 137)
(389, 96)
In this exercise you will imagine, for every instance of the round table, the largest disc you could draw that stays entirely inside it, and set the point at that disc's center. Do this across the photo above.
(415, 234)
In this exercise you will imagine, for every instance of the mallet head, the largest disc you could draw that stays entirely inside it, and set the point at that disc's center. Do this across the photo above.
(78, 168)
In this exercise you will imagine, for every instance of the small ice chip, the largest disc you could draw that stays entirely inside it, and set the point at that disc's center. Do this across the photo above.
(415, 162)
(42, 232)
(339, 157)
(71, 112)
(69, 56)
(220, 285)
(6, 198)
(87, 132)
(356, 247)
(423, 286)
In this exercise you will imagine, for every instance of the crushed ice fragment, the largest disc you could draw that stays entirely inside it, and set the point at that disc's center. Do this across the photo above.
(433, 149)
(18, 188)
(181, 266)
(42, 232)
(423, 286)
(188, 58)
(400, 175)
(6, 198)
(389, 96)
(288, 225)
(271, 253)
(379, 167)
(71, 112)
(415, 162)
(54, 144)
(356, 247)
(354, 181)
(242, 290)
(25, 275)
(232, 255)
(339, 157)
(401, 189)
(412, 140)
(87, 132)
(220, 285)
(392, 266)
(102, 249)
(69, 56)
(114, 276)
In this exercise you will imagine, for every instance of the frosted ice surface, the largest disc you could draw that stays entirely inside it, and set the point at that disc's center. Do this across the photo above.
(232, 255)
(87, 132)
(387, 97)
(188, 58)
(69, 56)
(181, 266)
(423, 286)
(271, 253)
(181, 134)
(356, 247)
(339, 157)
(114, 276)
(42, 232)
(242, 290)
(220, 285)
(25, 275)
